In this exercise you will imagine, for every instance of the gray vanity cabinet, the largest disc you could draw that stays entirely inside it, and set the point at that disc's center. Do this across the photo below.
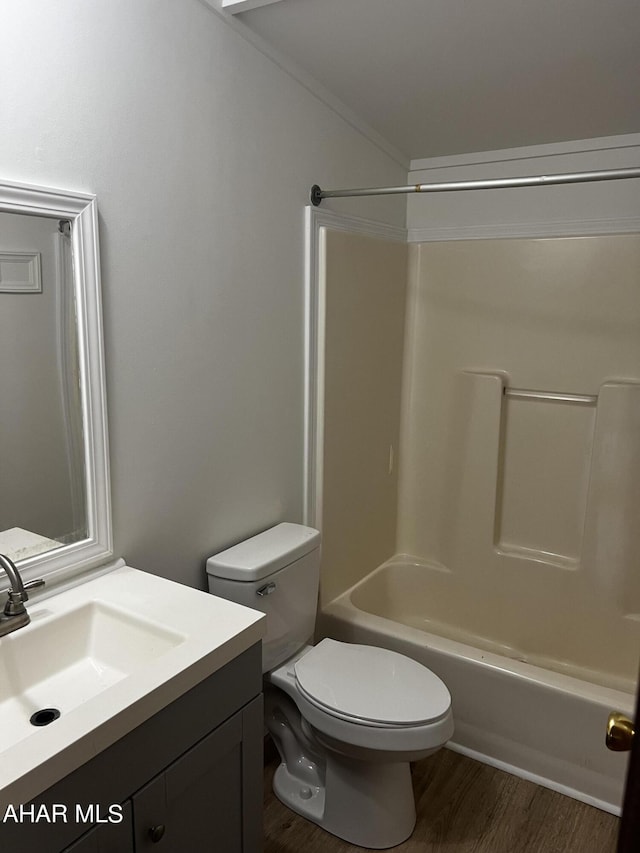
(107, 839)
(196, 803)
(188, 779)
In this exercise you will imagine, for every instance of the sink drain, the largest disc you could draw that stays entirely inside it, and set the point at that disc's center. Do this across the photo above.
(44, 717)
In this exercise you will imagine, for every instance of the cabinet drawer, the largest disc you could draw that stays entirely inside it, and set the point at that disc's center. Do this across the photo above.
(196, 804)
(116, 838)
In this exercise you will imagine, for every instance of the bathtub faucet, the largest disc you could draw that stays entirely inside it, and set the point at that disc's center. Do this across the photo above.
(15, 614)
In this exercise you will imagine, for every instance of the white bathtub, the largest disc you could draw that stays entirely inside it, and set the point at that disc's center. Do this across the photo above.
(530, 720)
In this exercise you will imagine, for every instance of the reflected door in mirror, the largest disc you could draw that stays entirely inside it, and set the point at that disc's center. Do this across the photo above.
(42, 471)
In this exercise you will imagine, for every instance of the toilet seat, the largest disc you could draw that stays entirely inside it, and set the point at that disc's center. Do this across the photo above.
(371, 686)
(406, 741)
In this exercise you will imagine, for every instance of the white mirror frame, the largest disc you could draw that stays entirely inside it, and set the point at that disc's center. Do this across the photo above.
(81, 210)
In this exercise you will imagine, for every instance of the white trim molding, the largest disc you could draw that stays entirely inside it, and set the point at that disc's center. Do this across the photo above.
(574, 210)
(529, 152)
(560, 228)
(234, 7)
(316, 223)
(81, 211)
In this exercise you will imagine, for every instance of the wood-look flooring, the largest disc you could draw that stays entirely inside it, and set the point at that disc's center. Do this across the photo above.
(463, 807)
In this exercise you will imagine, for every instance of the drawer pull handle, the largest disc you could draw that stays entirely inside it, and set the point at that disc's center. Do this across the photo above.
(156, 832)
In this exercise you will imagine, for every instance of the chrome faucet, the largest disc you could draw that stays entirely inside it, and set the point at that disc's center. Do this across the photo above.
(15, 614)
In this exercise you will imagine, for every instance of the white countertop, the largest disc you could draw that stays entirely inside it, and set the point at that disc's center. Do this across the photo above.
(204, 633)
(18, 543)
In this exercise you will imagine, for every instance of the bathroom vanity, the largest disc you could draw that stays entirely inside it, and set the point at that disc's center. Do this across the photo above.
(150, 692)
(189, 777)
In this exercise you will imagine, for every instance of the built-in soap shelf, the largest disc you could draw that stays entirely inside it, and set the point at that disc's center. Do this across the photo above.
(545, 446)
(550, 396)
(550, 478)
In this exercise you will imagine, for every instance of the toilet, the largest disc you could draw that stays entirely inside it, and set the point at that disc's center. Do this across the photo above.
(346, 719)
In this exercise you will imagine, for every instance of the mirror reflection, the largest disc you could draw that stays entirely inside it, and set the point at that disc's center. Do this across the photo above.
(42, 470)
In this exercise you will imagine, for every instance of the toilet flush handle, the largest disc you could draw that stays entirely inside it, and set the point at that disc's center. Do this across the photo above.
(267, 589)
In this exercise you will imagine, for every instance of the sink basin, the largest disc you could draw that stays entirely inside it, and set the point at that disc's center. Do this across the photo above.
(66, 659)
(107, 654)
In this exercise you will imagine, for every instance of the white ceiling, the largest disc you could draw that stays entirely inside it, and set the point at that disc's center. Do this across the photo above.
(438, 77)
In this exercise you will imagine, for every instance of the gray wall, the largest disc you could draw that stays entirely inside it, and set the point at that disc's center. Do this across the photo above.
(201, 152)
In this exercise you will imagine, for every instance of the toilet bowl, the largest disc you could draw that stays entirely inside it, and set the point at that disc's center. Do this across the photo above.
(347, 719)
(358, 715)
(370, 699)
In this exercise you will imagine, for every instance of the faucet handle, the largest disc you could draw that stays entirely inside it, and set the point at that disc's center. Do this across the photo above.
(30, 585)
(14, 605)
(15, 601)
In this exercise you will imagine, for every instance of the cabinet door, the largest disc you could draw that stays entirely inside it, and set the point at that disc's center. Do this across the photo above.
(108, 838)
(196, 804)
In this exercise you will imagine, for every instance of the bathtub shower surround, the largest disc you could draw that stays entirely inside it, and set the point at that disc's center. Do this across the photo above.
(364, 285)
(527, 501)
(514, 575)
(537, 547)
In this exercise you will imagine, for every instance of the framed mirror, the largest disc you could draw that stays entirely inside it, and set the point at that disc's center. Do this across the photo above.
(55, 516)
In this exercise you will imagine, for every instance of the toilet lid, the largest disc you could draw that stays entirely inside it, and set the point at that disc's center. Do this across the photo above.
(371, 684)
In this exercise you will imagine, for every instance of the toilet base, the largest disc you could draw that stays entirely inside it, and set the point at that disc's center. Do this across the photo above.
(367, 804)
(353, 793)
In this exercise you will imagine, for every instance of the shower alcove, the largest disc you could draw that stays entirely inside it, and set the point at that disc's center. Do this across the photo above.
(475, 471)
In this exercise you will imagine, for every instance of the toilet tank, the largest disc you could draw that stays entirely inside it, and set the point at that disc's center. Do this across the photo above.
(277, 572)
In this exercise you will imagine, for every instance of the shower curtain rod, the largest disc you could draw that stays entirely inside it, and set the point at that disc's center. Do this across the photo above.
(317, 194)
